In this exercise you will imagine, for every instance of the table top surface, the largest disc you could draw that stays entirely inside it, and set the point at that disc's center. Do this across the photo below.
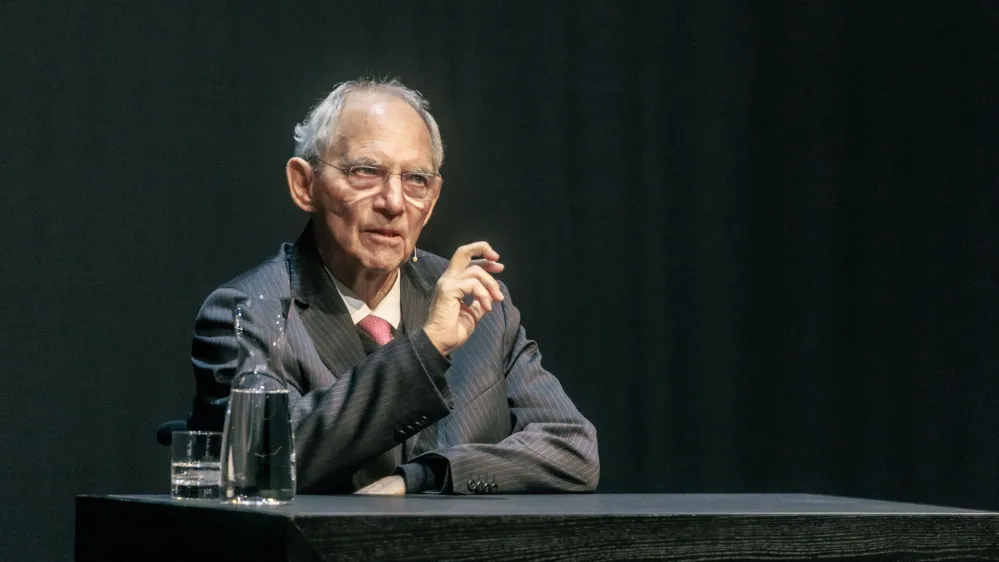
(575, 505)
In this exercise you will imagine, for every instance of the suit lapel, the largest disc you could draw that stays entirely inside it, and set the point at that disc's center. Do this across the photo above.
(321, 309)
(414, 297)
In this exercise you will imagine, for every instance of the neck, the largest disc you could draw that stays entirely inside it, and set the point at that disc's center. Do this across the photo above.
(370, 286)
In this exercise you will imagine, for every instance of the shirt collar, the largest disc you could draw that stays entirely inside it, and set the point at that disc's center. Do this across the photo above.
(389, 310)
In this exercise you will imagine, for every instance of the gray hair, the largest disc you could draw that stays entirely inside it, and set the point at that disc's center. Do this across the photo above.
(314, 135)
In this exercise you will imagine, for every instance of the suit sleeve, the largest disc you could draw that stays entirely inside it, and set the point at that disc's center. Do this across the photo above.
(381, 402)
(552, 447)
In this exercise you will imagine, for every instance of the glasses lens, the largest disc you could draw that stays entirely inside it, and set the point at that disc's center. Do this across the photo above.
(418, 186)
(366, 177)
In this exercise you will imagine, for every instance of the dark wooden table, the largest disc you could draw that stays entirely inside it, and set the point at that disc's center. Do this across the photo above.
(535, 527)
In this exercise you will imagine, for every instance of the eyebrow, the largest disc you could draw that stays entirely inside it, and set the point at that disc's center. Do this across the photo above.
(422, 170)
(363, 161)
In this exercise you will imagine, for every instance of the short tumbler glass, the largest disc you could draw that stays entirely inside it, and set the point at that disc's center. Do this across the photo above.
(195, 470)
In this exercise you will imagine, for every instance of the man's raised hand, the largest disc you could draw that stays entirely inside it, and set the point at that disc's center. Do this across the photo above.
(451, 321)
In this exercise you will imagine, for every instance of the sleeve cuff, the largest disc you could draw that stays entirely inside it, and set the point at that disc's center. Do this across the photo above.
(430, 473)
(428, 353)
(420, 477)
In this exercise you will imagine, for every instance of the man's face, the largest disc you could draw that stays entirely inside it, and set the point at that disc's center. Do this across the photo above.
(375, 229)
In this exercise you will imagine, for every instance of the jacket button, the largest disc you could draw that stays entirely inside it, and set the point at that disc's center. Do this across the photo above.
(471, 485)
(424, 420)
(400, 435)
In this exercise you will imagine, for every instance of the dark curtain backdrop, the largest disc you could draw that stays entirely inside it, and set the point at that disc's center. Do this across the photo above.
(756, 241)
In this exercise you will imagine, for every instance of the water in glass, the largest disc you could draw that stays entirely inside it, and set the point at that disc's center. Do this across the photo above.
(195, 479)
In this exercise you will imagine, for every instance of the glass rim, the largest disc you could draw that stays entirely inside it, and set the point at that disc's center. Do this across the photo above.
(194, 432)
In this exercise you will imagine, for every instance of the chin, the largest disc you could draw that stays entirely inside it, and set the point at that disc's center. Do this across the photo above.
(382, 261)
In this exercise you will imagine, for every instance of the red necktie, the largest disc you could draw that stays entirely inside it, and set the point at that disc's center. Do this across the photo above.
(379, 330)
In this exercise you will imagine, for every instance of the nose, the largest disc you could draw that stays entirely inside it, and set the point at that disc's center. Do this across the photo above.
(390, 200)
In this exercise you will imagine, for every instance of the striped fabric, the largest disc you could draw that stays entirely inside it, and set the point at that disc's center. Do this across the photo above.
(503, 423)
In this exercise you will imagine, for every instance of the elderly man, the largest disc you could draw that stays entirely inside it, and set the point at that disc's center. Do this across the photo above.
(412, 373)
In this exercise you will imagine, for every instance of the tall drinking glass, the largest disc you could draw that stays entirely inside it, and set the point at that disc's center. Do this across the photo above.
(258, 447)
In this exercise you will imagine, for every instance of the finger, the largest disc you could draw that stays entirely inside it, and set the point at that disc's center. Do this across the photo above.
(475, 310)
(463, 256)
(478, 291)
(487, 280)
(489, 265)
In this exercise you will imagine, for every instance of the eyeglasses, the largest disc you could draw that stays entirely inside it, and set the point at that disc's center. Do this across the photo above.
(415, 185)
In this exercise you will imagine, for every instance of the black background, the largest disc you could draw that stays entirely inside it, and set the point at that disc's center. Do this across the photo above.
(756, 242)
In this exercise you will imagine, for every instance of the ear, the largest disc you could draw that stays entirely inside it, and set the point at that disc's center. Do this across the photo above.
(300, 176)
(434, 202)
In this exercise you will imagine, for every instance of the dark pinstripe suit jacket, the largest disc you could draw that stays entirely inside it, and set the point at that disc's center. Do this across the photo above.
(490, 410)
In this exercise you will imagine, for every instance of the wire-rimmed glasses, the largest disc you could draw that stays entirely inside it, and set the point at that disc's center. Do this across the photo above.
(419, 187)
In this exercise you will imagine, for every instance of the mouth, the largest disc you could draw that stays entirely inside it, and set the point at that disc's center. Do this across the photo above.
(384, 235)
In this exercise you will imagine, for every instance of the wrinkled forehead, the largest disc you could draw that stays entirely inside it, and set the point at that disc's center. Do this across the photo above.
(382, 127)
